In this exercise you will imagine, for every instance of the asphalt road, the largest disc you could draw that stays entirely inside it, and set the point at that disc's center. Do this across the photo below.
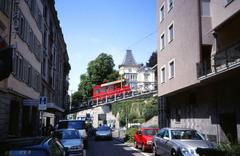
(111, 148)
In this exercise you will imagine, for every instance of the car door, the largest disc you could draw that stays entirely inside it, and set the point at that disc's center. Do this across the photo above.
(163, 142)
(137, 137)
(157, 141)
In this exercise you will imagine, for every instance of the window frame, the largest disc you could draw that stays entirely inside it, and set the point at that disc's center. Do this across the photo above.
(162, 46)
(163, 79)
(168, 5)
(161, 18)
(173, 29)
(227, 2)
(170, 76)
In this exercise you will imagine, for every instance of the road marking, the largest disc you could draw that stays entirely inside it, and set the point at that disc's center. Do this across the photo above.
(145, 154)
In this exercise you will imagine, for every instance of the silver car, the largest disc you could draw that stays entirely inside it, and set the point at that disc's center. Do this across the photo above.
(71, 140)
(181, 142)
(103, 132)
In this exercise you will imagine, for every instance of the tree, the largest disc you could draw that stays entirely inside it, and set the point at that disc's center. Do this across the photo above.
(152, 61)
(100, 68)
(99, 71)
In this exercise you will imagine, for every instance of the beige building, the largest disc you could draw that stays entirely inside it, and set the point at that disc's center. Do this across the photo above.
(198, 66)
(22, 25)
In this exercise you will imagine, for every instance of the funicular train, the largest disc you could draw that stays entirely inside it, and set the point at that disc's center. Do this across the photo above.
(110, 91)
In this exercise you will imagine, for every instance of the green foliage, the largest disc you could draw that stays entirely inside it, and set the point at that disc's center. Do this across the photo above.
(138, 110)
(152, 60)
(100, 68)
(129, 136)
(150, 109)
(230, 149)
(99, 71)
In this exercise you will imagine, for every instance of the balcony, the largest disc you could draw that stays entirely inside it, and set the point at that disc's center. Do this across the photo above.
(224, 60)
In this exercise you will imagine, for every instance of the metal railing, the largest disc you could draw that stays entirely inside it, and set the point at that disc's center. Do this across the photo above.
(111, 99)
(226, 58)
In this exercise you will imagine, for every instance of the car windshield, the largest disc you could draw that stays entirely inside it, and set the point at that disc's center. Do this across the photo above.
(149, 132)
(71, 124)
(186, 134)
(103, 128)
(27, 152)
(67, 134)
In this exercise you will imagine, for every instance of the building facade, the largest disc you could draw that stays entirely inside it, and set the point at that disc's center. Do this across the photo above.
(55, 66)
(22, 28)
(138, 77)
(198, 66)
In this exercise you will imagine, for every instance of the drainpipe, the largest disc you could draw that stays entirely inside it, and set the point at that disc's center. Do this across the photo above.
(10, 23)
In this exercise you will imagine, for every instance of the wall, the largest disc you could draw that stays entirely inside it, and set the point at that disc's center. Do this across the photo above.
(184, 48)
(99, 110)
(220, 12)
(203, 113)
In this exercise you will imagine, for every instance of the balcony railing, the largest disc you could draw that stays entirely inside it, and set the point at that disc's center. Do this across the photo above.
(223, 60)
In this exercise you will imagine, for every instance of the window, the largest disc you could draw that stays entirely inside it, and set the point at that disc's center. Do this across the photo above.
(171, 69)
(29, 75)
(177, 115)
(163, 74)
(205, 7)
(161, 15)
(227, 2)
(162, 41)
(170, 32)
(170, 5)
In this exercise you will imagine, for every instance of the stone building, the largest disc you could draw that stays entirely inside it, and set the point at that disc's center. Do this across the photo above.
(198, 66)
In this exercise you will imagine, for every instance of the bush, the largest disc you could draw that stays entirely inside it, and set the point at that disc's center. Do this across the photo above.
(129, 136)
(230, 149)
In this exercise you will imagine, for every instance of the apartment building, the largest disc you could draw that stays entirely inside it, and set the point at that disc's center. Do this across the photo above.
(55, 66)
(5, 16)
(22, 26)
(198, 66)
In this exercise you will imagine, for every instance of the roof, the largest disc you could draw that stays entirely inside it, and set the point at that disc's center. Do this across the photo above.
(129, 59)
(111, 83)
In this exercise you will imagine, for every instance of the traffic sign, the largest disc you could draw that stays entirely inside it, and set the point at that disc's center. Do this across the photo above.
(42, 103)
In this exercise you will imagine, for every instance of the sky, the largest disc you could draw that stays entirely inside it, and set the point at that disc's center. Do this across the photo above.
(91, 27)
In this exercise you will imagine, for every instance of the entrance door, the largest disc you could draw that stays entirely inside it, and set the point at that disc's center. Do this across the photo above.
(229, 126)
(14, 118)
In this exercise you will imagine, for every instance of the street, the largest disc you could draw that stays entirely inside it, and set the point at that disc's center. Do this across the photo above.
(112, 148)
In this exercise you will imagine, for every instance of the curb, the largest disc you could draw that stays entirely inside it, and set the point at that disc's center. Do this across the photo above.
(118, 139)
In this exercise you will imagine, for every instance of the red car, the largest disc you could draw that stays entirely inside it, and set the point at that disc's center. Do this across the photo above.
(143, 138)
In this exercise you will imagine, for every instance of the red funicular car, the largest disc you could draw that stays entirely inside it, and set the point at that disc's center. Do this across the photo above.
(110, 90)
(143, 138)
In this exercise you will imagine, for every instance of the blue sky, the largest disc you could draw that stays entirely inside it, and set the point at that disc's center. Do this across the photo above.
(91, 27)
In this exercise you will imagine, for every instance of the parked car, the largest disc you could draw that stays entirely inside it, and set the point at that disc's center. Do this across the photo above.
(76, 124)
(32, 146)
(71, 140)
(103, 132)
(181, 142)
(143, 138)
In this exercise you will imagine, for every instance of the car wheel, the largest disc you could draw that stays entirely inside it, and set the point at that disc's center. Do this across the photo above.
(154, 151)
(143, 148)
(174, 153)
(135, 144)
